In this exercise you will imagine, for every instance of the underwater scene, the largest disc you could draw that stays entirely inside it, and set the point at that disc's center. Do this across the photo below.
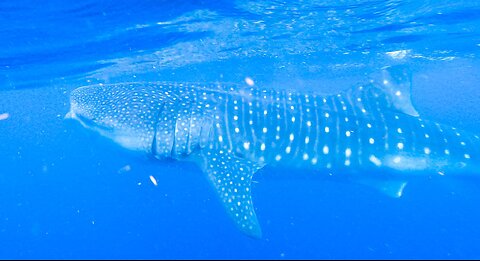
(269, 129)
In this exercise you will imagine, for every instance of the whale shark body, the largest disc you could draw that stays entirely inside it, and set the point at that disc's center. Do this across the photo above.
(371, 133)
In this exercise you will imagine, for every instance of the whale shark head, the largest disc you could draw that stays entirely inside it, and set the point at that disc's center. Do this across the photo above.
(123, 113)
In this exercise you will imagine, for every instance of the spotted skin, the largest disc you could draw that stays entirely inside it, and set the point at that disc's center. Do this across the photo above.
(231, 132)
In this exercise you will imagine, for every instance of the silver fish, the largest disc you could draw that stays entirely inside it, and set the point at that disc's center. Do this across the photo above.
(371, 133)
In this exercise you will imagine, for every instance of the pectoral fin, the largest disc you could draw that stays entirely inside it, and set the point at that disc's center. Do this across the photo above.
(391, 188)
(231, 178)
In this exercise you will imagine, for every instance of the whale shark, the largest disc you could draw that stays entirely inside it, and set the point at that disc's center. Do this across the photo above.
(371, 133)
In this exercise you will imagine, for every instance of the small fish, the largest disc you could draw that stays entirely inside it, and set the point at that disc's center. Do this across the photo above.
(371, 133)
(4, 116)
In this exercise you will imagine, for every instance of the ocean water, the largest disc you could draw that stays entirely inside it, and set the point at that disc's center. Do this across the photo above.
(66, 192)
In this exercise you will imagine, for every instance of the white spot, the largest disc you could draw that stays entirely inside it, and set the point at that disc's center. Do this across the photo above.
(288, 149)
(385, 82)
(262, 147)
(347, 133)
(327, 115)
(375, 160)
(246, 145)
(467, 156)
(237, 130)
(305, 156)
(314, 161)
(348, 152)
(153, 180)
(347, 162)
(278, 157)
(400, 146)
(293, 118)
(327, 129)
(398, 93)
(427, 136)
(462, 143)
(399, 130)
(447, 152)
(220, 138)
(309, 123)
(325, 149)
(371, 140)
(235, 118)
(396, 160)
(427, 150)
(249, 81)
(369, 125)
(307, 140)
(264, 130)
(292, 137)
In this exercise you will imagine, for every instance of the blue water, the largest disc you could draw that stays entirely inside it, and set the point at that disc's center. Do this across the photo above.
(66, 192)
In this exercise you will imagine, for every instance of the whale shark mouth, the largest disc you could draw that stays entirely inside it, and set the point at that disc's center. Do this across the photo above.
(86, 122)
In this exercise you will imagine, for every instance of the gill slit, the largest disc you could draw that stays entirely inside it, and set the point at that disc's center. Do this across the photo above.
(155, 127)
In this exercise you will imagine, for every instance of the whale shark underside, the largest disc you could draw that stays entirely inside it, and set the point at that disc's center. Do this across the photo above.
(371, 133)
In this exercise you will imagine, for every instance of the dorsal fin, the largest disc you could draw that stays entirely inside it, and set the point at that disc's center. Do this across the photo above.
(397, 84)
(390, 91)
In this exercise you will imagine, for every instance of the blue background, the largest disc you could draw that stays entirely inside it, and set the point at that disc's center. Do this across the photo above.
(66, 192)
